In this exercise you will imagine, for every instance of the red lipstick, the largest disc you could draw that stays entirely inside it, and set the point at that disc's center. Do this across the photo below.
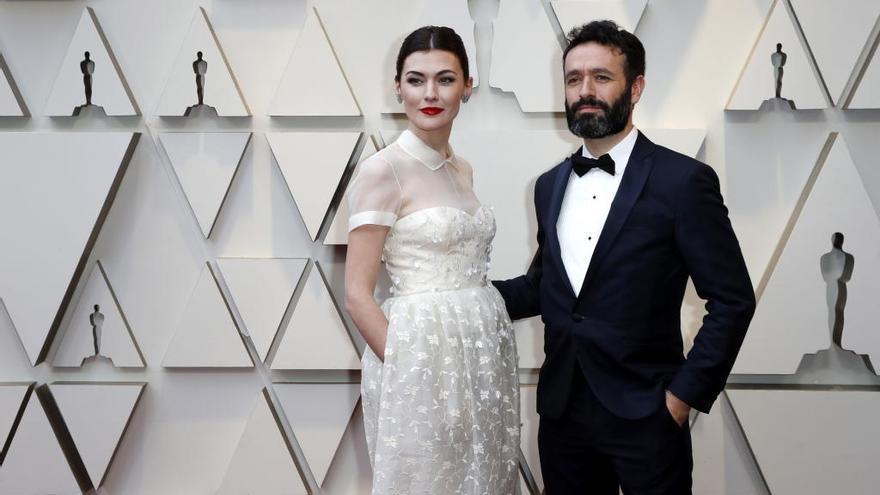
(431, 110)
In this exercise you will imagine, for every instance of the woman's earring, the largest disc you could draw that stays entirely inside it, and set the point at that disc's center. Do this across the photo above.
(465, 98)
(399, 98)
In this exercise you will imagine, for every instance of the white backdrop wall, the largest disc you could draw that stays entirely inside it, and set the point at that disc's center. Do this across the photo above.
(206, 428)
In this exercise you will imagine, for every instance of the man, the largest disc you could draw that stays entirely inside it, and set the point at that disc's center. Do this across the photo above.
(618, 237)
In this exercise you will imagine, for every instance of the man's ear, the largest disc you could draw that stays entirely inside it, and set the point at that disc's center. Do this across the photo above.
(638, 85)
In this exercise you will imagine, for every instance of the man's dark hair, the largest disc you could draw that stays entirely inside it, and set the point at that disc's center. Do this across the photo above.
(433, 38)
(609, 34)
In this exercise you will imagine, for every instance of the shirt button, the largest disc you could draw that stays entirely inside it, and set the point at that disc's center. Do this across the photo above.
(577, 317)
(594, 196)
(589, 238)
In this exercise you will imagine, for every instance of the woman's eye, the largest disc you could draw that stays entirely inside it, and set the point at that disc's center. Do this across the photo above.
(447, 80)
(414, 82)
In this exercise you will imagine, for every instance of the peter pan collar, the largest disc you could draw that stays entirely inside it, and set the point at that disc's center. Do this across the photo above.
(428, 156)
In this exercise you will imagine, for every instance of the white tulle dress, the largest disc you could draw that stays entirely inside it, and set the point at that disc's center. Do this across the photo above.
(442, 413)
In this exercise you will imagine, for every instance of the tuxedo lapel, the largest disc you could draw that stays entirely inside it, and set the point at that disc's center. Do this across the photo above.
(633, 181)
(560, 183)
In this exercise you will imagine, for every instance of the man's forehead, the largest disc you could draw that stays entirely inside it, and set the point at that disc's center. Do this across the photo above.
(593, 54)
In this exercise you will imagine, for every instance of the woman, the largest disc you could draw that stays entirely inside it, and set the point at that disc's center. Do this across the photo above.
(439, 384)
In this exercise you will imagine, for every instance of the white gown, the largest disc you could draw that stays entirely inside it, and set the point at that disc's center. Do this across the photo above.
(442, 412)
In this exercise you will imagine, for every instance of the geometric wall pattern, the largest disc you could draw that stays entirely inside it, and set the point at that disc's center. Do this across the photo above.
(318, 414)
(725, 463)
(115, 341)
(325, 91)
(262, 289)
(109, 89)
(259, 297)
(12, 402)
(799, 82)
(262, 462)
(315, 337)
(826, 426)
(206, 319)
(837, 33)
(573, 13)
(792, 318)
(11, 104)
(35, 462)
(867, 94)
(525, 42)
(96, 416)
(66, 183)
(312, 164)
(221, 90)
(205, 164)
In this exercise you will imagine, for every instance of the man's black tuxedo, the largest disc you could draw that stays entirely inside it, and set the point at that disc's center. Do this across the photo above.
(667, 222)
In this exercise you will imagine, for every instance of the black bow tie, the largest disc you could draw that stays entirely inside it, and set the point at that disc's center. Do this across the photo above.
(581, 164)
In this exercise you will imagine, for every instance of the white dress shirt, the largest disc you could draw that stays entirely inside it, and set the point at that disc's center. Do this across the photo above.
(585, 208)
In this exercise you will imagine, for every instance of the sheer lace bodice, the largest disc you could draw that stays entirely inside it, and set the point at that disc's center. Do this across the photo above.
(408, 176)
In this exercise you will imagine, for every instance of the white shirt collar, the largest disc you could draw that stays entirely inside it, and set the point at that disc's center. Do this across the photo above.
(415, 147)
(621, 151)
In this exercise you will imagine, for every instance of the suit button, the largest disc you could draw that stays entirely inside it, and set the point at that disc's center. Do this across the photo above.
(577, 317)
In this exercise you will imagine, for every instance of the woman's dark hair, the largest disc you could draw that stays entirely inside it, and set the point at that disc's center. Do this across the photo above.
(609, 34)
(433, 38)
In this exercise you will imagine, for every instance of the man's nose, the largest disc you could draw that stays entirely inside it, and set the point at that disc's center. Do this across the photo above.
(587, 89)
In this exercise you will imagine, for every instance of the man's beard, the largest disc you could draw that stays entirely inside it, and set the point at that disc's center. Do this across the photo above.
(593, 125)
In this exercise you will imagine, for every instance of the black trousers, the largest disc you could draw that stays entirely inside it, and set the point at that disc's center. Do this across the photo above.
(591, 451)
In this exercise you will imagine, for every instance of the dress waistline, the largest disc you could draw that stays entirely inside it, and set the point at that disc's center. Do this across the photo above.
(396, 295)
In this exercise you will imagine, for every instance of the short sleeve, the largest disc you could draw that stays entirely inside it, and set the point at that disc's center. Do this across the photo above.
(374, 196)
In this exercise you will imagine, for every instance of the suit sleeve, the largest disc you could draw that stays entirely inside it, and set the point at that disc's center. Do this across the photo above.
(715, 262)
(521, 293)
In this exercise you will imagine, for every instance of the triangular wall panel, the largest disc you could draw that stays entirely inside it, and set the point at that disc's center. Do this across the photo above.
(35, 463)
(96, 415)
(318, 414)
(724, 463)
(262, 289)
(206, 335)
(312, 164)
(11, 102)
(117, 340)
(837, 32)
(262, 462)
(12, 396)
(757, 81)
(792, 315)
(573, 13)
(221, 88)
(315, 337)
(325, 91)
(44, 252)
(205, 164)
(338, 232)
(110, 91)
(525, 56)
(812, 441)
(867, 93)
